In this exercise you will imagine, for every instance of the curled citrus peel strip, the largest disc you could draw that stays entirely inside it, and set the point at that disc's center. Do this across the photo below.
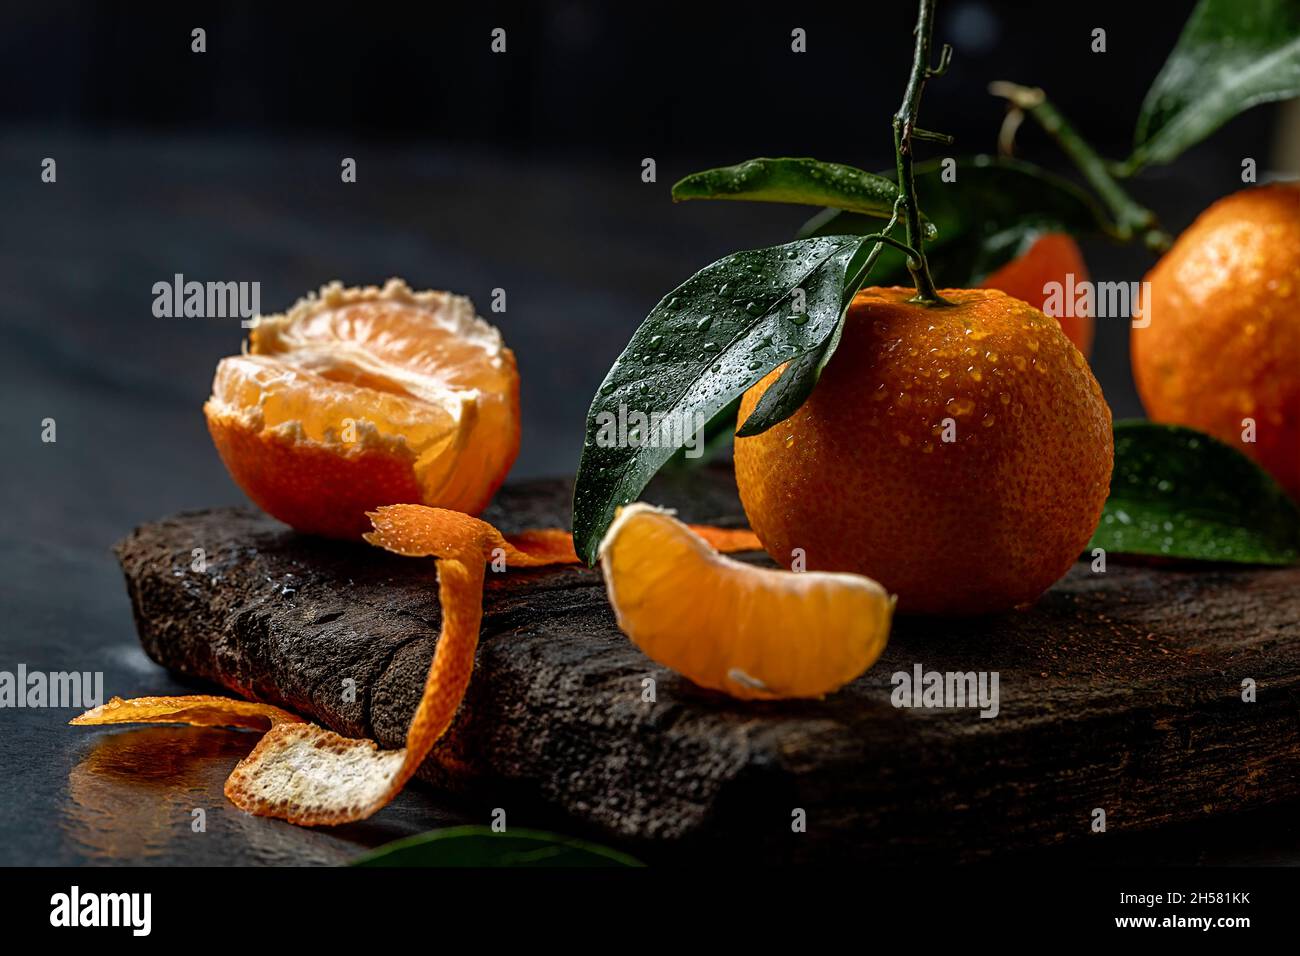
(199, 710)
(311, 776)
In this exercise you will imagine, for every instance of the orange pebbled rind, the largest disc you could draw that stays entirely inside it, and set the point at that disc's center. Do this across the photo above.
(201, 710)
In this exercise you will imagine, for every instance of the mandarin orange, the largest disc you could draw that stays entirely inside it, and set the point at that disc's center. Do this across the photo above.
(358, 398)
(1221, 352)
(959, 455)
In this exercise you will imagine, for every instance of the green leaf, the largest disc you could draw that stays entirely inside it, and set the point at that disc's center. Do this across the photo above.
(718, 434)
(807, 182)
(704, 344)
(479, 846)
(1232, 55)
(1179, 493)
(785, 395)
(990, 214)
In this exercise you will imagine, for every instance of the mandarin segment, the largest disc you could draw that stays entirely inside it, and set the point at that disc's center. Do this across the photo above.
(1222, 346)
(750, 632)
(959, 455)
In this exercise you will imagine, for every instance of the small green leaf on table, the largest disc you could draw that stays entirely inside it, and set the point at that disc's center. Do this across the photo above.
(1178, 493)
(478, 846)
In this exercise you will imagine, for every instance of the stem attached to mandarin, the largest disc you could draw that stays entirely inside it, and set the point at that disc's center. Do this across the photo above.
(905, 130)
(1132, 220)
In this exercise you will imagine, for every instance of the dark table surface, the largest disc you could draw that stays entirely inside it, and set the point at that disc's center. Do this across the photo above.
(78, 261)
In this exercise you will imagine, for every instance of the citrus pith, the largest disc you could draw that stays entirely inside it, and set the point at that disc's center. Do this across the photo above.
(959, 455)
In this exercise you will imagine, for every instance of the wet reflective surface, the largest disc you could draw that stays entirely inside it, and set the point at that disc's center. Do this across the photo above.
(154, 795)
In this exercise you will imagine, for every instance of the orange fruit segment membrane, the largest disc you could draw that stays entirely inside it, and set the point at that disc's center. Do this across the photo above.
(747, 631)
(308, 775)
(357, 398)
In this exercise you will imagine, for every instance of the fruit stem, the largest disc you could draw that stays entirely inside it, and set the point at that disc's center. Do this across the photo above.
(1132, 220)
(904, 131)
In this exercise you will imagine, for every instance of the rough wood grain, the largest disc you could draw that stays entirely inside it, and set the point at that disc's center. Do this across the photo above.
(1119, 690)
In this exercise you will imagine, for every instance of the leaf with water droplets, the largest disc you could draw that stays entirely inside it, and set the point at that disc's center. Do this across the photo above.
(802, 181)
(784, 396)
(693, 374)
(1178, 493)
(1232, 55)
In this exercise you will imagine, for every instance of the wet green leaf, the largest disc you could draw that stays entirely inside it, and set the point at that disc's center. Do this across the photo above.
(802, 181)
(990, 214)
(718, 435)
(784, 396)
(704, 343)
(477, 846)
(1232, 55)
(1179, 493)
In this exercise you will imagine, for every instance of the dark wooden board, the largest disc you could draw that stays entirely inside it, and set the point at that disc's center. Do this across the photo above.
(1119, 691)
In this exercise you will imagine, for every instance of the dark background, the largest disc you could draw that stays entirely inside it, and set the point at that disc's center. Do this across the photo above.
(475, 171)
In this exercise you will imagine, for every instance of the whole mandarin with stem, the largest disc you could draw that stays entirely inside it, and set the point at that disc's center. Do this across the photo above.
(959, 454)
